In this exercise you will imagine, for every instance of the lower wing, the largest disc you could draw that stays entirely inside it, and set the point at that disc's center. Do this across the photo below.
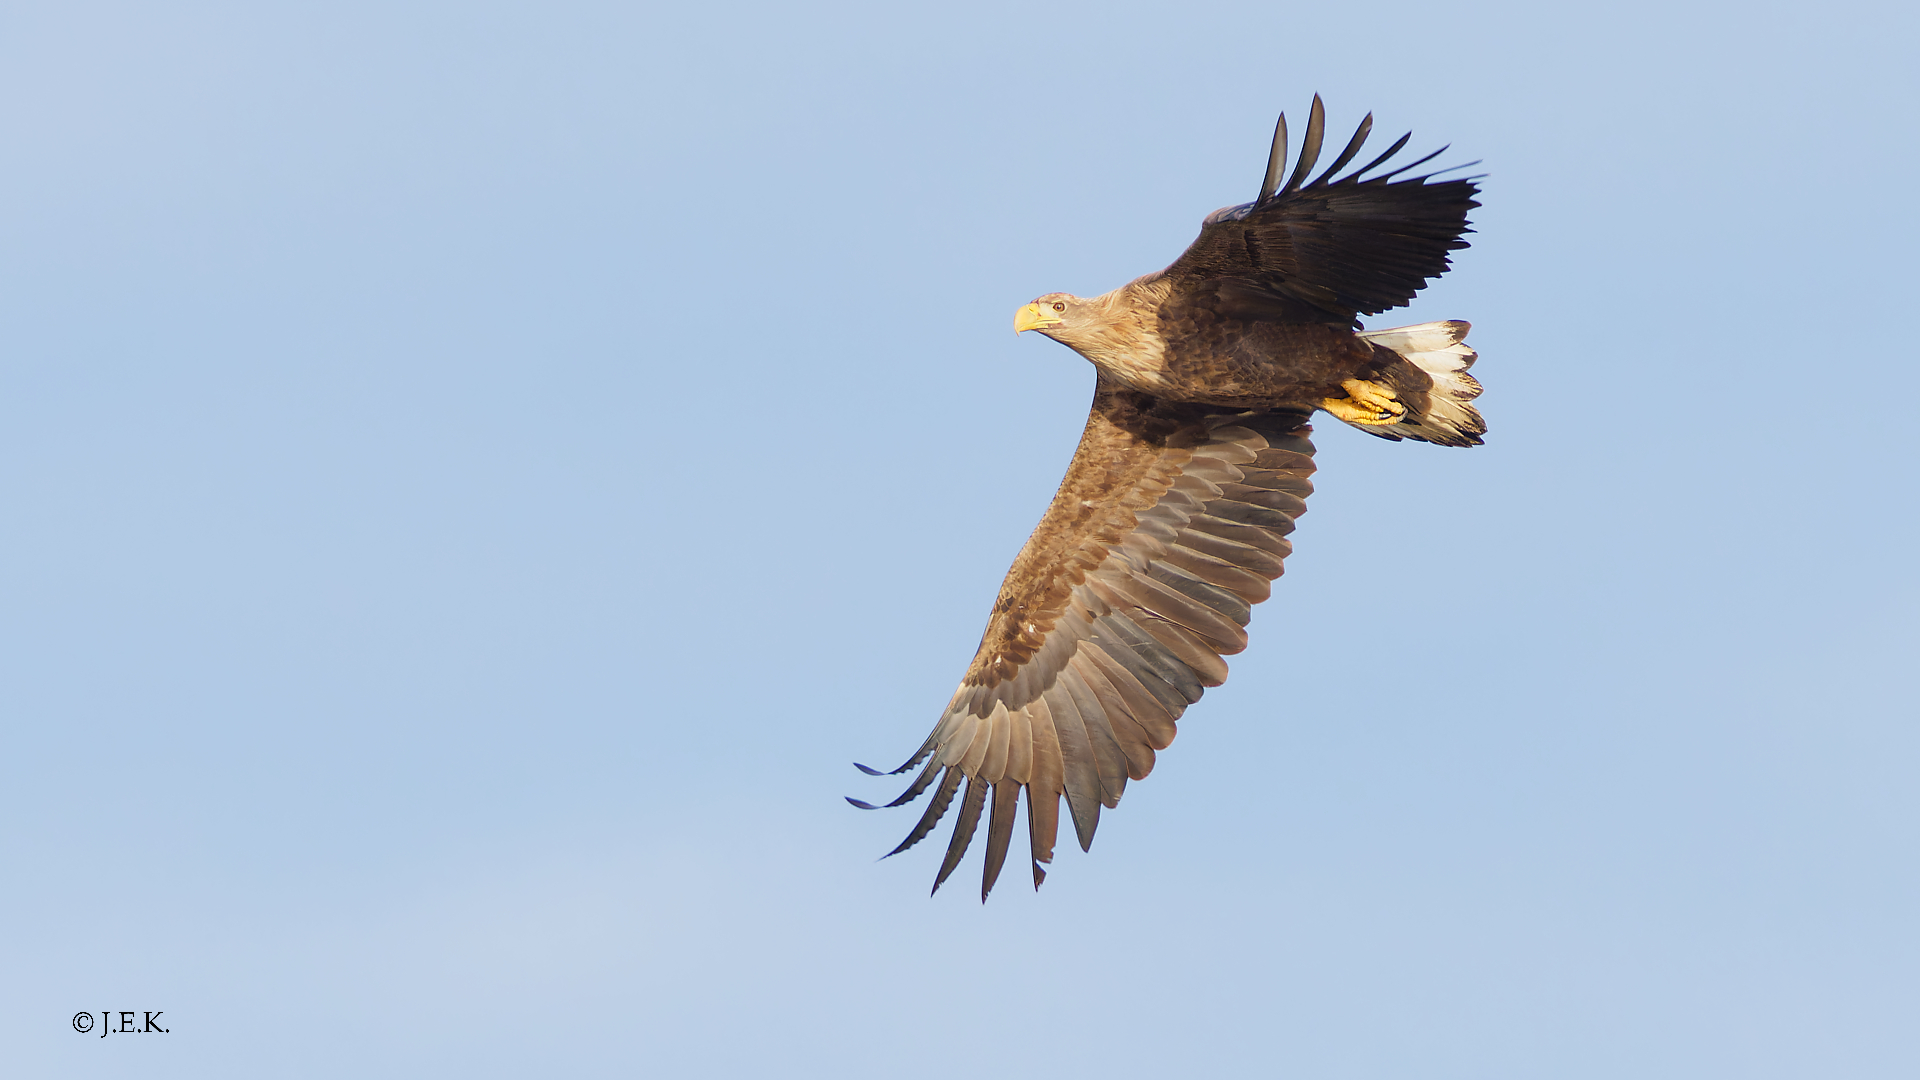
(1170, 524)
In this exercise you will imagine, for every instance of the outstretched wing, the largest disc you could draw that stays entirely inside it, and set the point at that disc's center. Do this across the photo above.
(1325, 250)
(1169, 526)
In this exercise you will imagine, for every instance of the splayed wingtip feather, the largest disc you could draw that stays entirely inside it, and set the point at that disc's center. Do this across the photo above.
(1309, 146)
(1355, 176)
(949, 782)
(1276, 160)
(1353, 147)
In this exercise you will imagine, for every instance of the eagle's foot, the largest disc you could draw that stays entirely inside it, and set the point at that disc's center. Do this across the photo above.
(1365, 403)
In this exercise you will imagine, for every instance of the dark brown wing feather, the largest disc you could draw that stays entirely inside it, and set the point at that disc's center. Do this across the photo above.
(1169, 526)
(1329, 250)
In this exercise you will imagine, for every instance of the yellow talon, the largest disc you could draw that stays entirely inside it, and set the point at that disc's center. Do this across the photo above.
(1365, 403)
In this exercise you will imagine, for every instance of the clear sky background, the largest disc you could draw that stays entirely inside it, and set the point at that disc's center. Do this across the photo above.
(474, 476)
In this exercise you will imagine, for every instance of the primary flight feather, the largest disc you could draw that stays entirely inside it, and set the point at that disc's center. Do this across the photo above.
(1173, 516)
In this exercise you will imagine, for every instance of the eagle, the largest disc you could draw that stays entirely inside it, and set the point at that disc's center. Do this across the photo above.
(1172, 520)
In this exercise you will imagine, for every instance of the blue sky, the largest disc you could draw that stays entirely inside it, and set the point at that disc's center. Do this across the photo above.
(477, 474)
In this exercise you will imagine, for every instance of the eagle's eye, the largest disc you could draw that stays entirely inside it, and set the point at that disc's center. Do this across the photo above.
(1058, 306)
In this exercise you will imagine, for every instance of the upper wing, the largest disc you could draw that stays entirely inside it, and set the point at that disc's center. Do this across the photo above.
(1167, 529)
(1331, 249)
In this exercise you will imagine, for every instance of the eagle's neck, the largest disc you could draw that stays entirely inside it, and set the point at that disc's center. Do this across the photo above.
(1122, 338)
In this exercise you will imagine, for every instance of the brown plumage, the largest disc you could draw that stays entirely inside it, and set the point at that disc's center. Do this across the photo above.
(1173, 516)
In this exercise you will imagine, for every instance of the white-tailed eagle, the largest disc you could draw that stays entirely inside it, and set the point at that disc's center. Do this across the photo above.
(1172, 520)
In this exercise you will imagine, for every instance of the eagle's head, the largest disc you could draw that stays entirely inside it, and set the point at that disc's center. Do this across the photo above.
(1056, 315)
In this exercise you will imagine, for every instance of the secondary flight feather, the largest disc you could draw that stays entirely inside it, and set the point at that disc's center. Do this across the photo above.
(1172, 520)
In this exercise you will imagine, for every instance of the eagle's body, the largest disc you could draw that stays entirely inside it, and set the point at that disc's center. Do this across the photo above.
(1155, 341)
(1172, 518)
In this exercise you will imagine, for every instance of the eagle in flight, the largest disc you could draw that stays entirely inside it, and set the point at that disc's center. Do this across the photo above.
(1172, 520)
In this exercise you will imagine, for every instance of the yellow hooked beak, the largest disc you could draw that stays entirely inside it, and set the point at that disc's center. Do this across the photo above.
(1034, 317)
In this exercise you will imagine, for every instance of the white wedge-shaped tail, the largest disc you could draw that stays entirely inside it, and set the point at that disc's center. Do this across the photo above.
(1440, 350)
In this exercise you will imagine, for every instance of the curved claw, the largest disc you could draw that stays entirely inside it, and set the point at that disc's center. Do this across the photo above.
(1368, 403)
